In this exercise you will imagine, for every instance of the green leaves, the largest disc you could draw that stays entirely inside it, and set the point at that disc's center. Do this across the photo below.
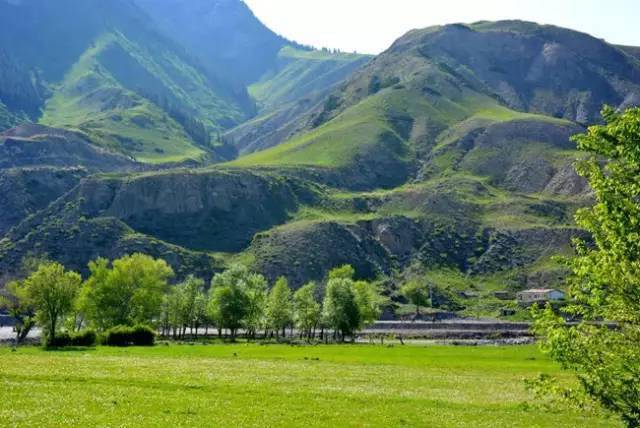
(130, 292)
(349, 305)
(603, 349)
(279, 311)
(51, 290)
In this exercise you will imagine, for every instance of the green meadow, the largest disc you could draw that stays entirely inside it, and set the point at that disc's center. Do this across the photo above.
(279, 385)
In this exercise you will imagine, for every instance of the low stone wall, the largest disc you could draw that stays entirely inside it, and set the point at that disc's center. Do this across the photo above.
(461, 325)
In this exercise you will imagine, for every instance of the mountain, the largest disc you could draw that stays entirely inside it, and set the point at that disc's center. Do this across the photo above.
(299, 80)
(394, 118)
(156, 80)
(223, 34)
(448, 156)
(282, 77)
(103, 68)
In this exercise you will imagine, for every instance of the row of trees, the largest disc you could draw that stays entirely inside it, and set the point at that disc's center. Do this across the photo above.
(240, 299)
(135, 290)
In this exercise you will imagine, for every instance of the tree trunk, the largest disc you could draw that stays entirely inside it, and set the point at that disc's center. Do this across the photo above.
(52, 332)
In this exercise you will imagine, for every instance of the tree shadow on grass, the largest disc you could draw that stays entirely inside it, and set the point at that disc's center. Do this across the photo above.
(71, 349)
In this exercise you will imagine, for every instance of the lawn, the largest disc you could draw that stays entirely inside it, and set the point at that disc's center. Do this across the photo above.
(277, 385)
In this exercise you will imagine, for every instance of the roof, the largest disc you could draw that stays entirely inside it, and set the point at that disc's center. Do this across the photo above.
(542, 290)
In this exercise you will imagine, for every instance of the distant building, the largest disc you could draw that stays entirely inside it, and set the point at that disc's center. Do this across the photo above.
(540, 295)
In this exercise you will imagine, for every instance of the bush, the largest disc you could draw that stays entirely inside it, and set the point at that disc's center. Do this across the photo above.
(84, 338)
(61, 340)
(143, 335)
(121, 335)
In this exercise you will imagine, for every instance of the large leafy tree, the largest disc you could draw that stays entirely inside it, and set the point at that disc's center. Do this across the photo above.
(603, 349)
(256, 291)
(369, 302)
(19, 307)
(129, 292)
(279, 306)
(229, 302)
(51, 291)
(307, 309)
(340, 308)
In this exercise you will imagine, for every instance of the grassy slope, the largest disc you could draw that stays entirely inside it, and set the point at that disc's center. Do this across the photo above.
(106, 66)
(341, 142)
(301, 73)
(93, 99)
(331, 145)
(338, 142)
(252, 385)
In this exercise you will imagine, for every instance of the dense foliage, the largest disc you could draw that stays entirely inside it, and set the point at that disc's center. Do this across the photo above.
(51, 291)
(120, 297)
(129, 292)
(603, 349)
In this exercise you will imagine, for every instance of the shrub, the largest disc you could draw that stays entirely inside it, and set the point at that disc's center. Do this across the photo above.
(118, 336)
(84, 338)
(61, 340)
(139, 335)
(143, 335)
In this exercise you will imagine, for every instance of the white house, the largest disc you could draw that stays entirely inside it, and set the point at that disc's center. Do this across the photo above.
(540, 295)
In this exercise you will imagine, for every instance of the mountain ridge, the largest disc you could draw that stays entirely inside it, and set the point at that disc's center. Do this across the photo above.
(447, 157)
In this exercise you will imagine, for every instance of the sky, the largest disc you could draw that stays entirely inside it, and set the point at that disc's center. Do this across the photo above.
(371, 26)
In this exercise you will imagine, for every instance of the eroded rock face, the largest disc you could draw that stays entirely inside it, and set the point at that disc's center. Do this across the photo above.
(162, 213)
(535, 68)
(75, 242)
(307, 251)
(215, 210)
(512, 249)
(33, 145)
(25, 191)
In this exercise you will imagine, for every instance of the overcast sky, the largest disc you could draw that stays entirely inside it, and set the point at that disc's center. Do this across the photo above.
(370, 26)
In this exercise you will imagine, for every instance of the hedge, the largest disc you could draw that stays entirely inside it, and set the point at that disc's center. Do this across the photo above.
(83, 338)
(139, 335)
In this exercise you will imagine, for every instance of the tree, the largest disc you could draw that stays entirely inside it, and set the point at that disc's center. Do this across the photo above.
(19, 308)
(51, 290)
(15, 300)
(192, 297)
(279, 311)
(307, 310)
(229, 302)
(256, 290)
(417, 293)
(605, 278)
(228, 307)
(369, 302)
(340, 308)
(130, 292)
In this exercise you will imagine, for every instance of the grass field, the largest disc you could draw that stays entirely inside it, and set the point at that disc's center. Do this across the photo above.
(274, 385)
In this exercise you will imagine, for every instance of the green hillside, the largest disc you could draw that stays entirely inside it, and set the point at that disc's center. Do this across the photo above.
(447, 158)
(98, 96)
(297, 82)
(300, 73)
(104, 69)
